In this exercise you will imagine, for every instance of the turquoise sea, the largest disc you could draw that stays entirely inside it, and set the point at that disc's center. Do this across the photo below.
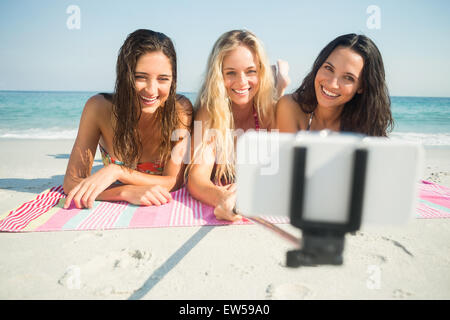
(56, 114)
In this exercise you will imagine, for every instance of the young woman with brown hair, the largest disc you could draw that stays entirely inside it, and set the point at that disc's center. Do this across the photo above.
(345, 91)
(133, 128)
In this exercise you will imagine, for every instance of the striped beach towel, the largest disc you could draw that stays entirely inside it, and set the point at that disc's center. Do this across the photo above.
(434, 201)
(45, 213)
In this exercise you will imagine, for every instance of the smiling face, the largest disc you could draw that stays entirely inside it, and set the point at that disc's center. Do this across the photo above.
(240, 73)
(339, 78)
(153, 78)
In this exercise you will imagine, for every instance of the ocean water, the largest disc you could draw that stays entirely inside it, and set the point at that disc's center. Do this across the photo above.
(44, 114)
(56, 115)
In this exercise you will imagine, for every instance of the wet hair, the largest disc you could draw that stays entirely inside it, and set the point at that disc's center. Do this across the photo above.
(126, 103)
(368, 112)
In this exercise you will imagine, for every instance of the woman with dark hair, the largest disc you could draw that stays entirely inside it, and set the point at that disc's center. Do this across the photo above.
(133, 128)
(345, 91)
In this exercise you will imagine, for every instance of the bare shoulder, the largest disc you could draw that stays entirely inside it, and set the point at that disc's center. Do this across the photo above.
(100, 109)
(99, 105)
(289, 115)
(287, 104)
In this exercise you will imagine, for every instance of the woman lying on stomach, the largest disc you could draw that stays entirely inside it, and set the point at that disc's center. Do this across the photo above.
(133, 128)
(345, 91)
(237, 95)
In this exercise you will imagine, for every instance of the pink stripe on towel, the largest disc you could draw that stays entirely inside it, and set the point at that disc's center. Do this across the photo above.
(104, 216)
(18, 219)
(435, 193)
(151, 216)
(425, 211)
(58, 220)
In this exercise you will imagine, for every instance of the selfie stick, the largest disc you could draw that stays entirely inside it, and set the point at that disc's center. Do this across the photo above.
(323, 242)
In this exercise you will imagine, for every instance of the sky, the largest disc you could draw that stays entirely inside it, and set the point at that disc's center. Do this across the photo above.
(45, 45)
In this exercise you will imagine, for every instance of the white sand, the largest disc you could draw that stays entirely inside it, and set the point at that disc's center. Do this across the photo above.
(233, 262)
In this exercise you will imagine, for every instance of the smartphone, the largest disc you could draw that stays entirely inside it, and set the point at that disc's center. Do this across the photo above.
(265, 172)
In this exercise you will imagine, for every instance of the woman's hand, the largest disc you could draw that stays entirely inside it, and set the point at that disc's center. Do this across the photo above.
(224, 211)
(153, 195)
(85, 193)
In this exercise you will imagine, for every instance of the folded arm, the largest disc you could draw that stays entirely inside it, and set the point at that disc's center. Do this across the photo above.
(139, 188)
(200, 186)
(222, 198)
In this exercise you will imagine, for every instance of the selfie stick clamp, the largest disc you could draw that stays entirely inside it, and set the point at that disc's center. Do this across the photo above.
(323, 242)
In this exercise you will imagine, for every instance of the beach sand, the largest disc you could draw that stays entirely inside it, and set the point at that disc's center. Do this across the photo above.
(224, 262)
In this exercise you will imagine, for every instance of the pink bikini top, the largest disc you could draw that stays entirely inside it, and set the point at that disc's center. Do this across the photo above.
(255, 115)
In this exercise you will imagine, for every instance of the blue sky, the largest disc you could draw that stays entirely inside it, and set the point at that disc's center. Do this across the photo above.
(39, 52)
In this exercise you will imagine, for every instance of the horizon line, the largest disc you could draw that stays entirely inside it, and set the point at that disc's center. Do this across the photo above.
(181, 91)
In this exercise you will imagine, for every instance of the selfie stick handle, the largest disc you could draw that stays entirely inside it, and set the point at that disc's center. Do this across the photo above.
(323, 242)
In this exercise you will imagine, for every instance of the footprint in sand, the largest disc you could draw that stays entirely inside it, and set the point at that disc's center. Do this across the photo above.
(71, 279)
(134, 258)
(400, 294)
(100, 271)
(288, 291)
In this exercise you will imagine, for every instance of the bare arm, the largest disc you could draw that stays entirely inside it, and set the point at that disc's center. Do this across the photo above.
(201, 187)
(178, 160)
(83, 151)
(199, 182)
(79, 184)
(222, 198)
(140, 188)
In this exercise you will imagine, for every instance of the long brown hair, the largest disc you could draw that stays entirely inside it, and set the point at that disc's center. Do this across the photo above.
(126, 103)
(369, 112)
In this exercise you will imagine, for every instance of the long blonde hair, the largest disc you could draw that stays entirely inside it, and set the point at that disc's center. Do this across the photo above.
(213, 98)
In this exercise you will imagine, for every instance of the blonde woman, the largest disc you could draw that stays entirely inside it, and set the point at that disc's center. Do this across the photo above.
(238, 94)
